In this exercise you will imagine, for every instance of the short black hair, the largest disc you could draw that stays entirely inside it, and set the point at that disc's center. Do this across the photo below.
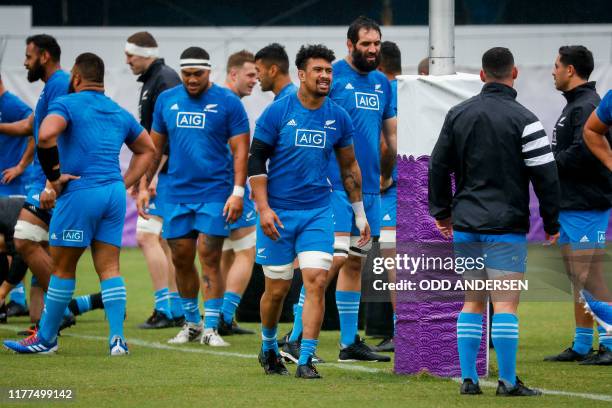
(359, 23)
(91, 67)
(498, 62)
(313, 51)
(274, 54)
(391, 58)
(195, 52)
(580, 57)
(44, 42)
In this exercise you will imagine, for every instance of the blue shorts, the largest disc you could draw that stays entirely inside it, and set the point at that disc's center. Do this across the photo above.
(33, 198)
(157, 203)
(249, 215)
(184, 219)
(503, 252)
(344, 218)
(88, 214)
(584, 229)
(388, 207)
(12, 189)
(305, 230)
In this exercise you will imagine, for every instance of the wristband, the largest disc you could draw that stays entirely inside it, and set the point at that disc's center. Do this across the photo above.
(48, 190)
(49, 161)
(358, 209)
(238, 191)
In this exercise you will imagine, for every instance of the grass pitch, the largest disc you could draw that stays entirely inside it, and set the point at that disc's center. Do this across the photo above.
(156, 374)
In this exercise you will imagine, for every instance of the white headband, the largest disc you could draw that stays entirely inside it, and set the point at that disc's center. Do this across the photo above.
(195, 63)
(146, 52)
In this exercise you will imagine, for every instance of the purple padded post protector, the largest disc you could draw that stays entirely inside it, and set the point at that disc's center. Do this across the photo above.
(425, 338)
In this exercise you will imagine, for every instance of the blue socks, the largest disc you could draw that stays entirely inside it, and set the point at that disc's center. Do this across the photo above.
(307, 350)
(505, 335)
(231, 301)
(114, 297)
(176, 306)
(59, 294)
(212, 311)
(192, 313)
(297, 316)
(18, 294)
(162, 302)
(469, 336)
(583, 340)
(268, 337)
(604, 339)
(348, 309)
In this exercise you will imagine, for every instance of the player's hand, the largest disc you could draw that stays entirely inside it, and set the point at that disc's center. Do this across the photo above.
(233, 208)
(11, 173)
(385, 184)
(552, 239)
(133, 192)
(268, 221)
(445, 227)
(365, 234)
(59, 184)
(153, 187)
(47, 197)
(142, 203)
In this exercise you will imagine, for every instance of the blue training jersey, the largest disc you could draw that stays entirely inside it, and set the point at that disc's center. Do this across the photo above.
(604, 110)
(394, 104)
(90, 145)
(368, 100)
(57, 85)
(12, 109)
(198, 130)
(303, 141)
(289, 89)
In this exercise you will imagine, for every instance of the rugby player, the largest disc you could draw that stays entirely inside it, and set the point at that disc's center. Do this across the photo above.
(198, 119)
(297, 134)
(272, 64)
(495, 147)
(83, 133)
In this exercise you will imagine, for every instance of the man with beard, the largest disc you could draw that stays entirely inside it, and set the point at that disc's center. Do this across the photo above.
(198, 119)
(90, 207)
(297, 134)
(365, 93)
(142, 55)
(239, 248)
(272, 64)
(586, 198)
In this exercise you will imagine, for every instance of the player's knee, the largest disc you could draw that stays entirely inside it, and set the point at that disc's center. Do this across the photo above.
(146, 240)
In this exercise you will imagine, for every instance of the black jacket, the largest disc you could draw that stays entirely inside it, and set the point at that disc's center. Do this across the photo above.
(155, 80)
(586, 184)
(495, 146)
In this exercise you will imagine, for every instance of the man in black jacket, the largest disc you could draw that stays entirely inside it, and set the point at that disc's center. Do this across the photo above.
(586, 197)
(494, 146)
(142, 56)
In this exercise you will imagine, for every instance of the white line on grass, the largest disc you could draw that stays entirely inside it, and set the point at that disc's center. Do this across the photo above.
(348, 367)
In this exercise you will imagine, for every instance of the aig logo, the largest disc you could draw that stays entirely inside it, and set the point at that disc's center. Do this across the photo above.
(191, 120)
(366, 101)
(73, 235)
(310, 138)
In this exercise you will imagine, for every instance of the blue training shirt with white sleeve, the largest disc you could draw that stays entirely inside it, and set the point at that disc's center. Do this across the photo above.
(12, 109)
(368, 100)
(303, 141)
(90, 145)
(198, 130)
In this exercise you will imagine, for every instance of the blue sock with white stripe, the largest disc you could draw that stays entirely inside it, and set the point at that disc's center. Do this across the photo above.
(176, 306)
(212, 311)
(348, 310)
(114, 297)
(83, 303)
(307, 350)
(583, 340)
(231, 301)
(296, 332)
(505, 335)
(268, 338)
(59, 293)
(162, 302)
(469, 336)
(192, 313)
(604, 339)
(18, 294)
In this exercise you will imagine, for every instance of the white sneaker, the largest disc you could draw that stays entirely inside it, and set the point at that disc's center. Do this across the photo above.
(189, 332)
(212, 338)
(118, 347)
